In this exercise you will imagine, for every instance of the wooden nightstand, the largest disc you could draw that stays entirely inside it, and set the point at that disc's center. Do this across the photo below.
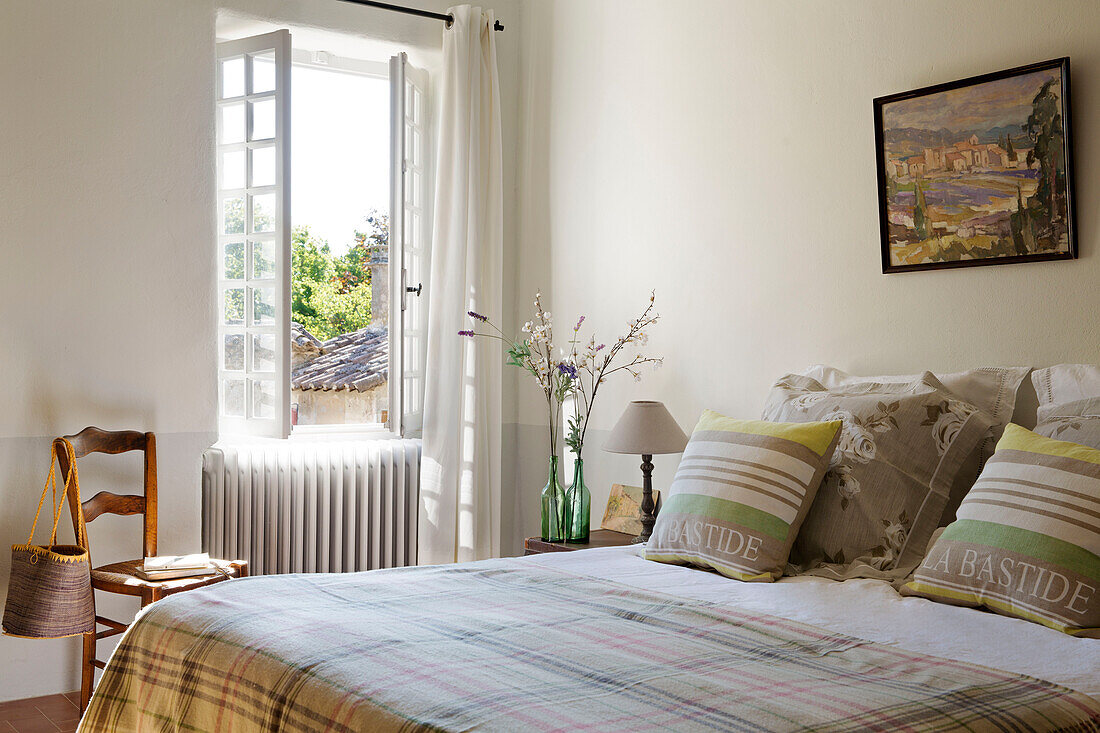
(596, 538)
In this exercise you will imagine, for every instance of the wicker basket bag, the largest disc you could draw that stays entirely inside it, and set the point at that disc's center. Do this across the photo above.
(50, 591)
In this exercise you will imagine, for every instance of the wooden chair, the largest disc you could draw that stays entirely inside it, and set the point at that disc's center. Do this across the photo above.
(120, 577)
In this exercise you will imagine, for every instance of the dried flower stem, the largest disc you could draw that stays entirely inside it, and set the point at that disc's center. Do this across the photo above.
(597, 371)
(581, 374)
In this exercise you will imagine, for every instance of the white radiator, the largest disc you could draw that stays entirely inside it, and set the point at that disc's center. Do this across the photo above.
(312, 507)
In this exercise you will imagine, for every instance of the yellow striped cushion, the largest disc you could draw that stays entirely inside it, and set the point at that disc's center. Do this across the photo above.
(1027, 539)
(740, 494)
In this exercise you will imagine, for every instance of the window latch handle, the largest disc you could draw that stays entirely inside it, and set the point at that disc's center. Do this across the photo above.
(417, 289)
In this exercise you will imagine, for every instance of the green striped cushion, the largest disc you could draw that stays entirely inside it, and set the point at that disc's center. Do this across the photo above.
(740, 494)
(1027, 539)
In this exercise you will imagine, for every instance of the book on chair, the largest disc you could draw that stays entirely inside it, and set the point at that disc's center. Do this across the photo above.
(170, 567)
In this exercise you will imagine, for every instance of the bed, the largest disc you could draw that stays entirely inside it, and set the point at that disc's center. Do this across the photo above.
(591, 640)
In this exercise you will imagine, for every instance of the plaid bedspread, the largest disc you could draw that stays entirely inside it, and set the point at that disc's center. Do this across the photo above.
(507, 645)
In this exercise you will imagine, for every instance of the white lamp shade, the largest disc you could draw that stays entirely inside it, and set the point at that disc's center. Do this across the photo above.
(646, 428)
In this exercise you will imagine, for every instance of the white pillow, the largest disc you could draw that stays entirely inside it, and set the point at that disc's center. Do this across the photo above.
(1064, 383)
(1078, 422)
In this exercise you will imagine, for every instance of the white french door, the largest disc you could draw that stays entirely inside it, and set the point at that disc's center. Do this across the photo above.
(410, 218)
(253, 177)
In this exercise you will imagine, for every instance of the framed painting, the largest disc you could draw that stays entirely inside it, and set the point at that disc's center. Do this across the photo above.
(977, 171)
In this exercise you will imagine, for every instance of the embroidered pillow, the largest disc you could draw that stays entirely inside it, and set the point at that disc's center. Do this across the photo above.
(740, 494)
(991, 389)
(1077, 422)
(901, 448)
(1027, 540)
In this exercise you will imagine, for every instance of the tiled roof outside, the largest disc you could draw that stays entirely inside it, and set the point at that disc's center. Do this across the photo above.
(355, 361)
(302, 338)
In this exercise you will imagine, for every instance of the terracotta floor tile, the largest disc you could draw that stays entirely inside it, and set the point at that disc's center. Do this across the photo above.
(41, 724)
(46, 714)
(58, 708)
(18, 710)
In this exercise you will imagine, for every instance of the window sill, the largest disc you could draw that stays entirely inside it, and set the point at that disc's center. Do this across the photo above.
(314, 434)
(341, 432)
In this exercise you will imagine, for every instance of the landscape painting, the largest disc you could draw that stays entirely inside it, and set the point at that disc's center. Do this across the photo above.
(977, 171)
(622, 510)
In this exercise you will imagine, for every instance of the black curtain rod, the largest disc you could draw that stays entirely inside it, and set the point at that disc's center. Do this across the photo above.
(448, 19)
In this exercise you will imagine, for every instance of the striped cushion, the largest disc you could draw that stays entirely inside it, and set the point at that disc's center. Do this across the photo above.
(740, 494)
(1027, 539)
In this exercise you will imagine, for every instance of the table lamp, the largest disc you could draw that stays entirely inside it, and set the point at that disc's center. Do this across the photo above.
(646, 429)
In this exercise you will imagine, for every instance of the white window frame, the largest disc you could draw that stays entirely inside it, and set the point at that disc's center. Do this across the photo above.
(249, 423)
(410, 245)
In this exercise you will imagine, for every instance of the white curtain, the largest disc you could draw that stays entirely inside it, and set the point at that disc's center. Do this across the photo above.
(459, 517)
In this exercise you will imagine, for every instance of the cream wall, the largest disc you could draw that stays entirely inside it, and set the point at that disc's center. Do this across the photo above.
(107, 269)
(722, 153)
(106, 201)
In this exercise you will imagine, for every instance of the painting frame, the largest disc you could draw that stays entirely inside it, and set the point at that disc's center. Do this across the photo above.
(882, 161)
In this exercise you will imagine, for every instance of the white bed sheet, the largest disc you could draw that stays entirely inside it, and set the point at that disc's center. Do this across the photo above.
(866, 609)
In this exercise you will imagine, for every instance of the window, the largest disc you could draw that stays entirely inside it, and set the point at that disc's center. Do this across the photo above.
(315, 320)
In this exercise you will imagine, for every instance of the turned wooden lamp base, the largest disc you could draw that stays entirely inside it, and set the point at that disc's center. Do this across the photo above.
(647, 511)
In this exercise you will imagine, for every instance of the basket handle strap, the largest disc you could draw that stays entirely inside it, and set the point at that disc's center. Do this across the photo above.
(57, 505)
(51, 483)
(72, 483)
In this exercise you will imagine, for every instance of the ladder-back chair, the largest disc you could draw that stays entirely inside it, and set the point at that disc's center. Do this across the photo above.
(121, 577)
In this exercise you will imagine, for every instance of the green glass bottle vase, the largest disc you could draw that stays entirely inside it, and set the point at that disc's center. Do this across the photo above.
(578, 506)
(553, 505)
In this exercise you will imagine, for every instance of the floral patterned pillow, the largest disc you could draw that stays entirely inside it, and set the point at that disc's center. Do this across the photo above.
(990, 389)
(901, 447)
